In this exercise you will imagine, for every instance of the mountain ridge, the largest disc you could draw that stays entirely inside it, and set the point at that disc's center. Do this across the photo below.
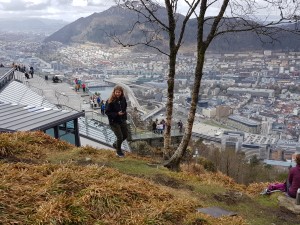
(118, 21)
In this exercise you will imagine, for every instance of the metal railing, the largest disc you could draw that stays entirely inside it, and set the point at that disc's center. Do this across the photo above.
(6, 78)
(99, 132)
(142, 135)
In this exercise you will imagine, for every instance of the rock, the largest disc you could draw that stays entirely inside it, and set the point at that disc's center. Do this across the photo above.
(216, 212)
(88, 159)
(289, 203)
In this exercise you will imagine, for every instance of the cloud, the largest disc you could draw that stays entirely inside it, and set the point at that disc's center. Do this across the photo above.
(20, 5)
(68, 10)
(71, 10)
(96, 3)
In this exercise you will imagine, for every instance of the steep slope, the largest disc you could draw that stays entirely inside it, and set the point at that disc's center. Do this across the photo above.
(46, 181)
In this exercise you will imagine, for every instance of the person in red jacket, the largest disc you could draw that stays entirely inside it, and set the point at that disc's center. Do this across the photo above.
(294, 178)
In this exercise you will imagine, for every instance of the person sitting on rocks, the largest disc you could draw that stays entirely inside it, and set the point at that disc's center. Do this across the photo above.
(291, 185)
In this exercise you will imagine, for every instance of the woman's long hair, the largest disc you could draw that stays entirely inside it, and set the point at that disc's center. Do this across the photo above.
(297, 159)
(113, 97)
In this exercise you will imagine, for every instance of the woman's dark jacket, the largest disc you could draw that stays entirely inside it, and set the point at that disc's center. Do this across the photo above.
(294, 180)
(113, 108)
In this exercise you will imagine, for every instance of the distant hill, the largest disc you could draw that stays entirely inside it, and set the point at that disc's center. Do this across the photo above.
(34, 25)
(118, 21)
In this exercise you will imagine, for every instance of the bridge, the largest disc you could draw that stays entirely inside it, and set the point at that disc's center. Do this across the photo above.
(131, 96)
(153, 112)
(96, 84)
(134, 102)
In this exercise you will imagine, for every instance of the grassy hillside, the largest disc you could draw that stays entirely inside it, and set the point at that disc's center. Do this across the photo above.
(46, 181)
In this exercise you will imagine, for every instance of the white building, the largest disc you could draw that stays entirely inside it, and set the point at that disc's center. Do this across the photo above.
(209, 112)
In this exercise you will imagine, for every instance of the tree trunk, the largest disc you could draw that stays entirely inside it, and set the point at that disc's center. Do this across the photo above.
(171, 76)
(174, 162)
(169, 107)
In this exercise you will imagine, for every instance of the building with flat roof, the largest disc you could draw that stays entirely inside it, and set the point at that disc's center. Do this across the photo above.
(60, 124)
(244, 124)
(223, 111)
(22, 109)
(209, 112)
(251, 150)
(269, 93)
(232, 140)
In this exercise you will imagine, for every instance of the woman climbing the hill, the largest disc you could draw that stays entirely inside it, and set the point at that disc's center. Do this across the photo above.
(117, 116)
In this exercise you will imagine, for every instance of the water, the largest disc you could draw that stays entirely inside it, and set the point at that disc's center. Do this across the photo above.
(105, 92)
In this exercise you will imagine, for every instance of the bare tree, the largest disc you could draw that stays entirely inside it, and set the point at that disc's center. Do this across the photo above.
(232, 16)
(148, 13)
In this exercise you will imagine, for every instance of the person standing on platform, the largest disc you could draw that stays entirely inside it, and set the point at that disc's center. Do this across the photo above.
(154, 126)
(102, 106)
(180, 126)
(98, 101)
(31, 71)
(117, 116)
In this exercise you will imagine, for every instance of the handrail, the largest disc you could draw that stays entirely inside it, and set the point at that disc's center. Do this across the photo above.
(6, 74)
(132, 122)
(58, 95)
(6, 78)
(66, 107)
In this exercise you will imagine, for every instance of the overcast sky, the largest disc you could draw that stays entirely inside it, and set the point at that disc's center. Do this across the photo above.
(68, 10)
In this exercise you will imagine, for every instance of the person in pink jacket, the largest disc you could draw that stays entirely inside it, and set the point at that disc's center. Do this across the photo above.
(294, 178)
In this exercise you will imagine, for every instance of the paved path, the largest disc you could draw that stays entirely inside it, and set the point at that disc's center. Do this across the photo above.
(55, 93)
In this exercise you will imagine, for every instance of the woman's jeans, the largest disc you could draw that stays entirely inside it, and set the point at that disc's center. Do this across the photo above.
(121, 132)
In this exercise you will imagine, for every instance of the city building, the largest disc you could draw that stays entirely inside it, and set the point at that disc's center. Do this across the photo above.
(223, 111)
(244, 124)
(22, 109)
(269, 93)
(209, 112)
(232, 140)
(251, 150)
(60, 124)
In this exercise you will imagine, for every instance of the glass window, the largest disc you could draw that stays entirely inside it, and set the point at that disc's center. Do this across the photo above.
(70, 137)
(50, 132)
(70, 124)
(62, 129)
(66, 128)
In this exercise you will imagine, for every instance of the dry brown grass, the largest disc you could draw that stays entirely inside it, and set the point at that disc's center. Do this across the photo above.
(35, 191)
(62, 194)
